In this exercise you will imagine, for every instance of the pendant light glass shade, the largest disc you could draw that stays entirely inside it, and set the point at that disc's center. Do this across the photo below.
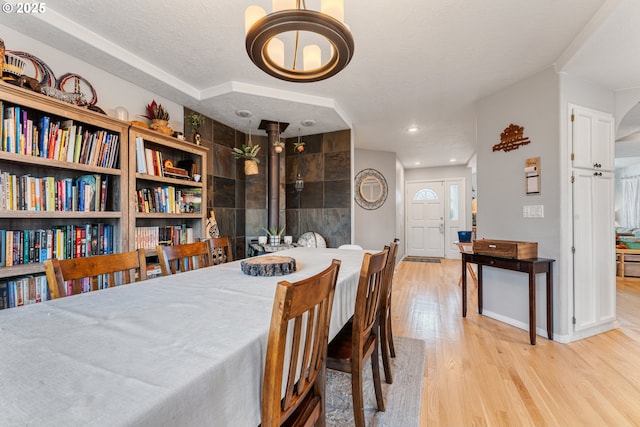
(319, 32)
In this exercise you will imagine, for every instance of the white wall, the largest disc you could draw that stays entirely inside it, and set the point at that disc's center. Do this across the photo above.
(376, 228)
(113, 91)
(534, 104)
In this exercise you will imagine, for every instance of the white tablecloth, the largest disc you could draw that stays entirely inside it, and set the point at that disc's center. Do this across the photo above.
(183, 350)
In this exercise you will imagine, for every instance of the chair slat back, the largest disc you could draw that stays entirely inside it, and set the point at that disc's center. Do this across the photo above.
(94, 272)
(368, 295)
(296, 351)
(180, 258)
(385, 299)
(220, 249)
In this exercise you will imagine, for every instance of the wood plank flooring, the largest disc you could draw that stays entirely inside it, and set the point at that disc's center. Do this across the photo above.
(481, 372)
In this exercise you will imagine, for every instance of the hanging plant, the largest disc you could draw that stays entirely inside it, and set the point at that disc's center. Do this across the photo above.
(247, 152)
(298, 146)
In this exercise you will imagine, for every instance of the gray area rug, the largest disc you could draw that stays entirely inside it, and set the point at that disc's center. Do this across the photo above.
(402, 398)
(421, 259)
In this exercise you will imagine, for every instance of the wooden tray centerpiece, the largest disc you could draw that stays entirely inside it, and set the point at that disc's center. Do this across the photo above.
(269, 265)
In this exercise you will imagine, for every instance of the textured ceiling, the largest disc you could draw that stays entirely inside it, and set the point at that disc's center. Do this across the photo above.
(420, 63)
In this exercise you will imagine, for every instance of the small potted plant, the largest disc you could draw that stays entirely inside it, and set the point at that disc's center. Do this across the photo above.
(159, 118)
(249, 154)
(195, 121)
(274, 234)
(298, 146)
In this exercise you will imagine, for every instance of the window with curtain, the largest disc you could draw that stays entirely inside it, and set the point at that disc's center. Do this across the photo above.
(630, 215)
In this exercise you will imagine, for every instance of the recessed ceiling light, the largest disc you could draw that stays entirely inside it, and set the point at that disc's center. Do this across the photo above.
(413, 129)
(452, 160)
(308, 123)
(244, 113)
(418, 163)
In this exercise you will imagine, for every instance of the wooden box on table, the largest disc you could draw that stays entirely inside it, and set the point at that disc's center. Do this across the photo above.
(506, 248)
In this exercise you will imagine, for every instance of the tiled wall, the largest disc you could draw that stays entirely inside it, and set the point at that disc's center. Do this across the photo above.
(240, 202)
(324, 205)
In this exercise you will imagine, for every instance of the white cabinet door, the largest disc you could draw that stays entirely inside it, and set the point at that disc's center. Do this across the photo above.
(592, 141)
(594, 256)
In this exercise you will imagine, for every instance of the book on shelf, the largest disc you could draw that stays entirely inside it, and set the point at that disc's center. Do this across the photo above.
(34, 134)
(141, 161)
(23, 290)
(18, 247)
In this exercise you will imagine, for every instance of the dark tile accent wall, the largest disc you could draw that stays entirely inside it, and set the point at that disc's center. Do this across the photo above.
(240, 201)
(224, 192)
(324, 205)
(337, 194)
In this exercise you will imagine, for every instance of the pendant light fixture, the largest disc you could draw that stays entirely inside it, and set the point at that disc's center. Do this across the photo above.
(267, 51)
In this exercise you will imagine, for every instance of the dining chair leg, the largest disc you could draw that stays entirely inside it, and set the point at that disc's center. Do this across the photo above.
(392, 347)
(377, 384)
(357, 392)
(320, 388)
(385, 345)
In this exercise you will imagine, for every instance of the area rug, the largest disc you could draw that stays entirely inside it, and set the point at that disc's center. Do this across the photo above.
(421, 259)
(402, 398)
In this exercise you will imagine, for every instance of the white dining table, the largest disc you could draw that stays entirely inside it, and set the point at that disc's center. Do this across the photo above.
(181, 350)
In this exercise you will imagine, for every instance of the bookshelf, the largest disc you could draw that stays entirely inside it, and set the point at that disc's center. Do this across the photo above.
(63, 170)
(165, 202)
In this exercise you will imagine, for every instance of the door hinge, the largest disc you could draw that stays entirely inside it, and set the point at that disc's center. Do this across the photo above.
(573, 249)
(573, 179)
(573, 156)
(573, 320)
(572, 117)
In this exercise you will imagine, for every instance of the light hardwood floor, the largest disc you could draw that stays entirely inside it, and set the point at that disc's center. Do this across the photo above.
(481, 372)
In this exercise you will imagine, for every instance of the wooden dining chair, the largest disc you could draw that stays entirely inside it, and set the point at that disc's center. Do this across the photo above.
(386, 334)
(358, 339)
(72, 276)
(220, 249)
(293, 391)
(180, 258)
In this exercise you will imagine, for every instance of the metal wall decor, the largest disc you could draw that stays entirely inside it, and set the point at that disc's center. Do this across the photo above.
(370, 189)
(511, 138)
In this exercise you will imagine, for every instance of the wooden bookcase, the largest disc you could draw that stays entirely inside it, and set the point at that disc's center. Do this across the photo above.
(14, 161)
(179, 152)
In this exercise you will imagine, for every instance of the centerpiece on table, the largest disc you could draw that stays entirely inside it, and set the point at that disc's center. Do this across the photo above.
(274, 234)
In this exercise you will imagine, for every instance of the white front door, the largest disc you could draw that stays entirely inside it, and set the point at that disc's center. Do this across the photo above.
(425, 218)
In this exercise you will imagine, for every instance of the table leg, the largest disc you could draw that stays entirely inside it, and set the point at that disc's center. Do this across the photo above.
(464, 288)
(479, 288)
(532, 306)
(550, 302)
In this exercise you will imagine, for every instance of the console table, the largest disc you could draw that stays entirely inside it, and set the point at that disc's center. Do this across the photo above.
(531, 266)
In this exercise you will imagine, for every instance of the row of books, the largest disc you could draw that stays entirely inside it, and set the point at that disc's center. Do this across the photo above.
(169, 199)
(45, 137)
(62, 242)
(23, 290)
(85, 193)
(148, 161)
(150, 237)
